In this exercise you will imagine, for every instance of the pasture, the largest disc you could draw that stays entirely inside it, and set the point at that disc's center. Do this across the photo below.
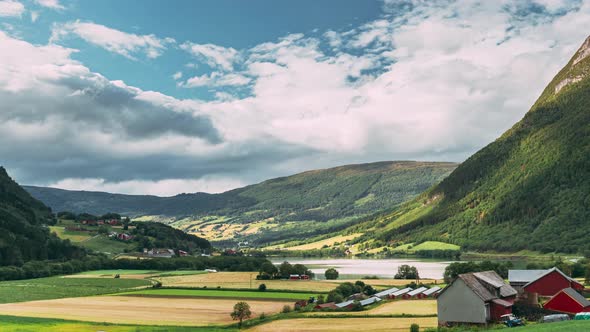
(345, 324)
(212, 293)
(56, 288)
(74, 236)
(139, 310)
(326, 242)
(245, 280)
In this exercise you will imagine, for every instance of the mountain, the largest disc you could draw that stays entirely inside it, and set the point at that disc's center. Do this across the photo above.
(24, 235)
(279, 208)
(530, 189)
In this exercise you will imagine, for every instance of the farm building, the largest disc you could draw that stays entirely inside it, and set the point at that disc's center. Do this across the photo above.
(414, 294)
(431, 292)
(568, 301)
(300, 304)
(345, 304)
(161, 253)
(475, 298)
(369, 301)
(298, 277)
(399, 293)
(385, 293)
(543, 282)
(329, 305)
(124, 237)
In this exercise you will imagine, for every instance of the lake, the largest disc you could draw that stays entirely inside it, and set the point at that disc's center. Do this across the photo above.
(358, 267)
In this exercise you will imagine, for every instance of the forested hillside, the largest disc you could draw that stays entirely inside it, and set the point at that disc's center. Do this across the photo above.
(530, 189)
(331, 196)
(24, 235)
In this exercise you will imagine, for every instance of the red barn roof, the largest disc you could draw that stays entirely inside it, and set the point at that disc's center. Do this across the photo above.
(568, 301)
(551, 282)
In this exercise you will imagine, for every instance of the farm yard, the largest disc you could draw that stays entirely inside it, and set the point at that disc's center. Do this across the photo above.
(139, 310)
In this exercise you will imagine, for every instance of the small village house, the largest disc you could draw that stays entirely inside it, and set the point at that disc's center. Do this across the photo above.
(568, 301)
(542, 282)
(160, 253)
(414, 294)
(298, 277)
(475, 298)
(182, 253)
(124, 237)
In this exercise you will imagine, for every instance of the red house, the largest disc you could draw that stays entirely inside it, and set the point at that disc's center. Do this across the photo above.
(568, 301)
(298, 277)
(543, 282)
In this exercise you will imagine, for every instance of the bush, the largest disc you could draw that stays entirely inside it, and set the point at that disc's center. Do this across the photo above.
(262, 287)
(414, 328)
(331, 274)
(262, 316)
(286, 309)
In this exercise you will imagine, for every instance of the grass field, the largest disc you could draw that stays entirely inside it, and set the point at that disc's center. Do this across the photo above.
(327, 242)
(245, 280)
(70, 235)
(56, 288)
(140, 310)
(569, 326)
(121, 272)
(181, 273)
(345, 324)
(106, 245)
(238, 295)
(28, 324)
(388, 283)
(413, 307)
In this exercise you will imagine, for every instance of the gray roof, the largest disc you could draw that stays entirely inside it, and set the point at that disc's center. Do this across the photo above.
(482, 283)
(386, 292)
(577, 297)
(431, 291)
(402, 291)
(525, 275)
(344, 304)
(370, 300)
(417, 291)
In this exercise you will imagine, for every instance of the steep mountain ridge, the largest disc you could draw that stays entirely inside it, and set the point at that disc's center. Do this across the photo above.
(530, 189)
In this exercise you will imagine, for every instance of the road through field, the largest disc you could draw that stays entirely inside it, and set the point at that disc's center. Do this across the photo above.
(139, 310)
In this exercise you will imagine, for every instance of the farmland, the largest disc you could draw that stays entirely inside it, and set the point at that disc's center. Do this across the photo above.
(326, 242)
(417, 308)
(205, 293)
(139, 310)
(351, 324)
(56, 288)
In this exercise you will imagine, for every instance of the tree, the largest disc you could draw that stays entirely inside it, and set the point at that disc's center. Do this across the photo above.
(241, 312)
(331, 274)
(406, 272)
(262, 287)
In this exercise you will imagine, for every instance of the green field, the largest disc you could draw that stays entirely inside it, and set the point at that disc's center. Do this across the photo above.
(57, 288)
(26, 324)
(74, 236)
(181, 273)
(221, 294)
(569, 326)
(106, 245)
(121, 272)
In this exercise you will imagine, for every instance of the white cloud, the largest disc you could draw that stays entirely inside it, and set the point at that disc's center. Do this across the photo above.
(34, 16)
(177, 75)
(53, 4)
(216, 79)
(213, 55)
(126, 44)
(10, 8)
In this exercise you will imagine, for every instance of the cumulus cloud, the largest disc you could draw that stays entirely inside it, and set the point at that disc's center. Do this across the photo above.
(213, 55)
(125, 44)
(10, 8)
(216, 79)
(53, 4)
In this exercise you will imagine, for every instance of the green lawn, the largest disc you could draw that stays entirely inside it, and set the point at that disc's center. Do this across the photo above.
(57, 288)
(26, 324)
(221, 294)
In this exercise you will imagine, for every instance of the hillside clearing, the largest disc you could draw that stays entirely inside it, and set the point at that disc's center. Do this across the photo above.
(345, 324)
(139, 310)
(327, 242)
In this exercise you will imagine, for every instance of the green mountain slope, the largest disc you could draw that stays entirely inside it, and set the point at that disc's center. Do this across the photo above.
(23, 232)
(530, 189)
(333, 196)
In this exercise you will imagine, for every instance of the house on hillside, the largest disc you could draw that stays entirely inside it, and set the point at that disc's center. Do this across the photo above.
(475, 298)
(431, 292)
(385, 293)
(161, 253)
(399, 293)
(329, 305)
(124, 237)
(568, 301)
(182, 253)
(414, 294)
(542, 282)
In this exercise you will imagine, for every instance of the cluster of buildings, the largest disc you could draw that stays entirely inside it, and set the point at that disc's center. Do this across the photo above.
(483, 297)
(112, 222)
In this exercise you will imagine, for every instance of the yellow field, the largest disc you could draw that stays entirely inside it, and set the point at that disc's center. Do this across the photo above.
(408, 307)
(244, 280)
(139, 310)
(327, 242)
(385, 283)
(345, 324)
(72, 236)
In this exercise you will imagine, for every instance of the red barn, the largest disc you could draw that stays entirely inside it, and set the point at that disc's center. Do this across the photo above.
(543, 282)
(568, 301)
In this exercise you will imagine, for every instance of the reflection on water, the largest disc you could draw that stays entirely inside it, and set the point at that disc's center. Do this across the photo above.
(384, 268)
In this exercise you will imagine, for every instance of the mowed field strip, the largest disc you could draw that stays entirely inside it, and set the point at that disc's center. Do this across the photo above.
(345, 324)
(139, 310)
(245, 280)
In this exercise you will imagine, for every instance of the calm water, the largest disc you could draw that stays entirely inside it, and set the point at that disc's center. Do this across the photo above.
(384, 268)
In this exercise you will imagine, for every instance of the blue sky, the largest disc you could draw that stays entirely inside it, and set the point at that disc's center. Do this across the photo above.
(164, 97)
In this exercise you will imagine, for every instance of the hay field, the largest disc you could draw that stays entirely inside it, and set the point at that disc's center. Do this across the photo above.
(345, 324)
(408, 307)
(139, 310)
(327, 242)
(388, 283)
(245, 280)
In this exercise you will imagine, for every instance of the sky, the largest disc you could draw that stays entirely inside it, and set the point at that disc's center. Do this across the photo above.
(166, 97)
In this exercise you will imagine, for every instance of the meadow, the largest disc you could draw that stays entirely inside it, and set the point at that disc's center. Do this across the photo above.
(56, 288)
(211, 293)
